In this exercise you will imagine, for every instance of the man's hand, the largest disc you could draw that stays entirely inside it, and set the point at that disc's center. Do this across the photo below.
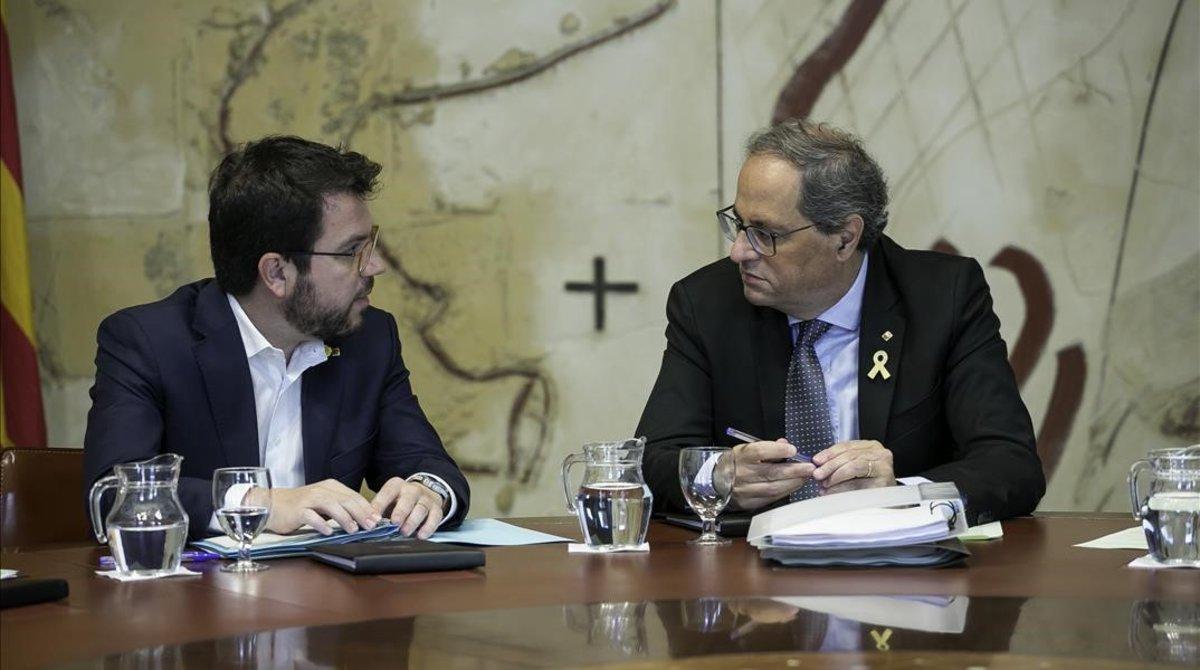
(761, 478)
(414, 507)
(857, 464)
(314, 505)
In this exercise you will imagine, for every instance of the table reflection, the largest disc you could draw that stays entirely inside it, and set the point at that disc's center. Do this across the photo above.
(1115, 633)
(1166, 632)
(621, 625)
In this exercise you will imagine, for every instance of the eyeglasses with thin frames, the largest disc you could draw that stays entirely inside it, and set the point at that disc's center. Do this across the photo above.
(362, 255)
(761, 239)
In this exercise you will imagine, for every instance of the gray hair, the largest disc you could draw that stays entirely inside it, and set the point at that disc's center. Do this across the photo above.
(839, 178)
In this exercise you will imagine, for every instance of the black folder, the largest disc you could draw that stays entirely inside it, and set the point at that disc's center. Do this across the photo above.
(398, 555)
(728, 525)
(25, 591)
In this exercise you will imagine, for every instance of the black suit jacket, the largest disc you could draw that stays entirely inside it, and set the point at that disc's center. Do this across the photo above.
(172, 376)
(951, 410)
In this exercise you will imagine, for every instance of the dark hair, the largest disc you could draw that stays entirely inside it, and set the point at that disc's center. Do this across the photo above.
(839, 178)
(269, 196)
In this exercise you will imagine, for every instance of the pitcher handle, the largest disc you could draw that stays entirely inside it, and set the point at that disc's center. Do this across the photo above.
(570, 460)
(1134, 498)
(98, 489)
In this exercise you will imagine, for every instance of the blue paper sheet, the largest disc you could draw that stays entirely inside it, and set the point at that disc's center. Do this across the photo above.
(494, 533)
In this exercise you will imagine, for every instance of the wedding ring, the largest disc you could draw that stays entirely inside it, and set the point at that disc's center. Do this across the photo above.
(870, 469)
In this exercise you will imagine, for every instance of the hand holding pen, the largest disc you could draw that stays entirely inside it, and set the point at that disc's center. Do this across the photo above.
(746, 437)
(767, 471)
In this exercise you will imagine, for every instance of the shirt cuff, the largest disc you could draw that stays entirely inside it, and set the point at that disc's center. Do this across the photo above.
(910, 481)
(233, 497)
(449, 491)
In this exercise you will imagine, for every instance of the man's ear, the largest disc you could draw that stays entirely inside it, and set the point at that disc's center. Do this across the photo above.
(276, 273)
(849, 236)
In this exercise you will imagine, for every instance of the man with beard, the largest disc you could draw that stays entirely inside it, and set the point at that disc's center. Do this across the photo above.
(278, 362)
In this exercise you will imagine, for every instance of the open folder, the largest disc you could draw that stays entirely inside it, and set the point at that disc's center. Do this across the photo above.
(897, 525)
(271, 545)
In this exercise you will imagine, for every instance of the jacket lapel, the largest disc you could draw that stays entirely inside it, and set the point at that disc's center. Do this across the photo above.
(772, 354)
(320, 403)
(881, 315)
(221, 357)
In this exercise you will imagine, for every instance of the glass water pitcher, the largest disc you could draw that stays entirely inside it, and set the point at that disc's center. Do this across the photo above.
(613, 502)
(146, 527)
(1165, 491)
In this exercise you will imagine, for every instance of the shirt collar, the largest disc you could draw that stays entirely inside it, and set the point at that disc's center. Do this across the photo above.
(846, 312)
(312, 351)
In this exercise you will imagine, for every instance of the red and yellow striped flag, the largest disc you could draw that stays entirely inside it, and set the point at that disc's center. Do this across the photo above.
(22, 423)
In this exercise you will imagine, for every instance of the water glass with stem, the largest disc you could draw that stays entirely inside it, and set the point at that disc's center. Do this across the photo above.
(706, 475)
(241, 521)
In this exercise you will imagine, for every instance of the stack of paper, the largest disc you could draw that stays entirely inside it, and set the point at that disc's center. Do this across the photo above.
(270, 545)
(901, 525)
(483, 532)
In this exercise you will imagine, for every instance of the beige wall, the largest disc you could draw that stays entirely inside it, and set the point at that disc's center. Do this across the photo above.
(1010, 130)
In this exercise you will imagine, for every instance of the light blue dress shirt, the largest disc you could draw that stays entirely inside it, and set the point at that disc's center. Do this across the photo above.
(837, 352)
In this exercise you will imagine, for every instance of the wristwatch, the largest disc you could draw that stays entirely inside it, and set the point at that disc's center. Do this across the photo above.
(435, 486)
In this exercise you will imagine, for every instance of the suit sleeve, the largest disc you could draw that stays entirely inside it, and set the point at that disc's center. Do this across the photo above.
(679, 411)
(125, 423)
(407, 442)
(995, 462)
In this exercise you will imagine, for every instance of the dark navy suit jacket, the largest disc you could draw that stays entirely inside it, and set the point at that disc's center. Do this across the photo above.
(172, 376)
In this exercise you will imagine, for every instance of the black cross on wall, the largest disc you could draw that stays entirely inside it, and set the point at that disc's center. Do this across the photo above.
(599, 288)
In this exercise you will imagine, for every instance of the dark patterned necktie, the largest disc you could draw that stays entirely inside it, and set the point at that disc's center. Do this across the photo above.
(805, 406)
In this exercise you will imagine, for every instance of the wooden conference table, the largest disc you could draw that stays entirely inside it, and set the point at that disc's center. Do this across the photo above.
(1028, 600)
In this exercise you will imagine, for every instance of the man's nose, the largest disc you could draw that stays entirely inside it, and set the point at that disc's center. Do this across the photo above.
(742, 251)
(375, 266)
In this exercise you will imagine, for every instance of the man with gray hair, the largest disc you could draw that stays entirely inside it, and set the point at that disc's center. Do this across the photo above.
(859, 362)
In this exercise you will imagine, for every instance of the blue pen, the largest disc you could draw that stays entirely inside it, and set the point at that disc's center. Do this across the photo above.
(747, 438)
(187, 556)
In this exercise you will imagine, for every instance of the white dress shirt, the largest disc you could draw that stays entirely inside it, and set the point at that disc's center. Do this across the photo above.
(277, 405)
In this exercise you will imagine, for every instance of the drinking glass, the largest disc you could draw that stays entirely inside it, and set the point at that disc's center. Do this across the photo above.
(240, 521)
(706, 475)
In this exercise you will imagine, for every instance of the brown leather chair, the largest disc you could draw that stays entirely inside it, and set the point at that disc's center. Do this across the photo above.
(41, 498)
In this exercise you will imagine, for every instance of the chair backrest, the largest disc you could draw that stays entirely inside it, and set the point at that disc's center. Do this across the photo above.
(40, 502)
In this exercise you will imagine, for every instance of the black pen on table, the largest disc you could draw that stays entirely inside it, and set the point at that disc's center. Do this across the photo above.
(748, 438)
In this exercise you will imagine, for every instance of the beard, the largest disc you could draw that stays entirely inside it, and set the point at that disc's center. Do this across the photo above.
(304, 311)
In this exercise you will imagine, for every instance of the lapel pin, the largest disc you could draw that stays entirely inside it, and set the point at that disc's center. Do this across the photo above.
(330, 352)
(880, 358)
(887, 335)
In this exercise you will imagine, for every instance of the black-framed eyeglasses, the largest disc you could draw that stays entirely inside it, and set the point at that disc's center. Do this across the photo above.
(761, 239)
(362, 255)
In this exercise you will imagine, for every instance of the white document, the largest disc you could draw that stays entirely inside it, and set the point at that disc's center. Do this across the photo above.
(1130, 538)
(1148, 562)
(113, 574)
(892, 516)
(933, 615)
(578, 548)
(986, 531)
(8, 574)
(874, 526)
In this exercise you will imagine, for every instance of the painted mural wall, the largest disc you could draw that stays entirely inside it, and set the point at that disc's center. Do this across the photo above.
(1055, 141)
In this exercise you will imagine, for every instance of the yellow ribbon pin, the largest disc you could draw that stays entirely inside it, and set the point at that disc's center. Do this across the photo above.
(880, 358)
(881, 641)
